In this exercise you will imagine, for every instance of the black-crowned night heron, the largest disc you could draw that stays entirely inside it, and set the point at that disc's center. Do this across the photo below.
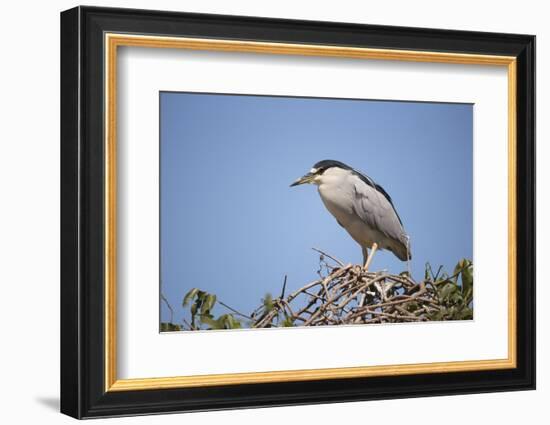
(360, 206)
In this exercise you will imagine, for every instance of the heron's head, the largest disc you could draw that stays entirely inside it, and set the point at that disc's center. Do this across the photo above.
(315, 175)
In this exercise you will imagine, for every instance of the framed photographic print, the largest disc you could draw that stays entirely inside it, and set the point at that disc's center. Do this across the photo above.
(261, 212)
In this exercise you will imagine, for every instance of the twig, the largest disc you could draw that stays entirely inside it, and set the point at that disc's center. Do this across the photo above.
(284, 287)
(329, 256)
(163, 298)
(235, 311)
(191, 328)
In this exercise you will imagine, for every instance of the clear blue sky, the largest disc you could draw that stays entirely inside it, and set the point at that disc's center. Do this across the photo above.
(230, 223)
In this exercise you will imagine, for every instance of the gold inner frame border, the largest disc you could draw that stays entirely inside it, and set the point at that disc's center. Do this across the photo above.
(113, 40)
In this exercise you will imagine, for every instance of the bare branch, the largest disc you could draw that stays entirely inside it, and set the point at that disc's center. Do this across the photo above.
(329, 256)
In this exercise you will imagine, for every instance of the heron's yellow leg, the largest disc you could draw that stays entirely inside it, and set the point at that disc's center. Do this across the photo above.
(371, 255)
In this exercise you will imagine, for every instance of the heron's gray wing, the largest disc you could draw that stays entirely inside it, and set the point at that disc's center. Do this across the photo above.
(373, 207)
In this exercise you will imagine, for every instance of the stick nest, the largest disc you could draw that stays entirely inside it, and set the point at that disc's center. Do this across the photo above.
(347, 294)
(342, 295)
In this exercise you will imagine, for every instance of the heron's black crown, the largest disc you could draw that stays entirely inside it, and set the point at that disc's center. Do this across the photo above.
(329, 163)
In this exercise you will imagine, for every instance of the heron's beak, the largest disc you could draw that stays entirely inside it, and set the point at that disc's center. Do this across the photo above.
(308, 178)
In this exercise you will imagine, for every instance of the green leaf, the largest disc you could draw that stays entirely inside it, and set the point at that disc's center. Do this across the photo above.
(468, 281)
(446, 291)
(268, 302)
(189, 296)
(288, 322)
(466, 314)
(169, 327)
(412, 306)
(458, 269)
(214, 324)
(456, 299)
(231, 322)
(208, 303)
(438, 315)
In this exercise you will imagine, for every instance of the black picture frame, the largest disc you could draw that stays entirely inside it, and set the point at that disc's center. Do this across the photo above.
(83, 392)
